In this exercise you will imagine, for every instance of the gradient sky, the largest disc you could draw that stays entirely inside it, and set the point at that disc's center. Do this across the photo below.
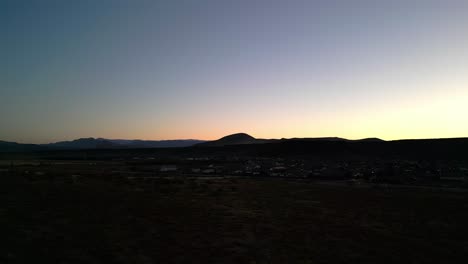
(204, 69)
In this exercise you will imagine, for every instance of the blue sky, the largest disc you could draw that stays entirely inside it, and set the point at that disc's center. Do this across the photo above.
(204, 69)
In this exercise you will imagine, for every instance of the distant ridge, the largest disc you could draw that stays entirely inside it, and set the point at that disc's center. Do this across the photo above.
(97, 143)
(371, 139)
(335, 139)
(318, 139)
(82, 143)
(100, 143)
(174, 143)
(245, 139)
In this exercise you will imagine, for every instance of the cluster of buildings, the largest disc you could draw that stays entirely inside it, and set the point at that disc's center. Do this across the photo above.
(438, 173)
(375, 171)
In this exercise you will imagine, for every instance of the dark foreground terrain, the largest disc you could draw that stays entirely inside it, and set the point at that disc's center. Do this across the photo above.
(226, 220)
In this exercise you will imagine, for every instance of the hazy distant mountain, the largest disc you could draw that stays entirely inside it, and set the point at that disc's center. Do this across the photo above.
(178, 143)
(6, 146)
(97, 143)
(82, 143)
(100, 143)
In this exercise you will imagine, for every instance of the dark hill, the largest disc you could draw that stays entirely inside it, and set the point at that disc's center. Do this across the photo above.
(6, 146)
(434, 149)
(371, 140)
(234, 139)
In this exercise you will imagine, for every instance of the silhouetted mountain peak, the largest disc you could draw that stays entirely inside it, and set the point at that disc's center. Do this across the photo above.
(238, 136)
(234, 139)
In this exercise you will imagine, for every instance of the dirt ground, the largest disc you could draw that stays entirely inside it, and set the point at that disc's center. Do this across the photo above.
(187, 220)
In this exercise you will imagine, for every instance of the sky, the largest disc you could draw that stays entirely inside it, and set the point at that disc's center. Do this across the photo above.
(203, 69)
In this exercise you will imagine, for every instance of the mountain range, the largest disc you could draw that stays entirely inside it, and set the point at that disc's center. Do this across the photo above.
(98, 143)
(247, 142)
(246, 139)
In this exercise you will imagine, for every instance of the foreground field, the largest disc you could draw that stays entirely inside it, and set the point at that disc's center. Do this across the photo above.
(183, 220)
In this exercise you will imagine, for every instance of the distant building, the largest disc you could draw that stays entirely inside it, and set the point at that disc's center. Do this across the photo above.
(208, 171)
(168, 168)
